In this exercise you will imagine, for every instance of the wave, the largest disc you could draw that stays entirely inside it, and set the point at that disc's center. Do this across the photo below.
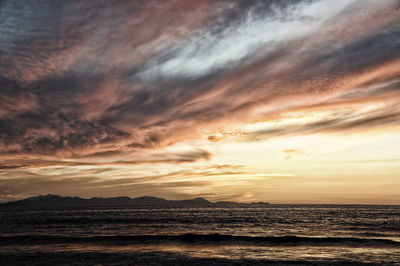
(204, 239)
(102, 220)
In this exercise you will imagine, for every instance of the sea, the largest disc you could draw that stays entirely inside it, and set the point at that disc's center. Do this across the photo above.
(272, 235)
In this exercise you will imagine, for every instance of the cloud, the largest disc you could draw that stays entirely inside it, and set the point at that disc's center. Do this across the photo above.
(342, 123)
(242, 33)
(290, 153)
(366, 108)
(101, 79)
(108, 159)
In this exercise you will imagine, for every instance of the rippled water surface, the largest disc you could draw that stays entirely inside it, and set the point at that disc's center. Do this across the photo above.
(276, 235)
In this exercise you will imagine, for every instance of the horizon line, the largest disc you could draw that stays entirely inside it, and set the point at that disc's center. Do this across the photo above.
(252, 202)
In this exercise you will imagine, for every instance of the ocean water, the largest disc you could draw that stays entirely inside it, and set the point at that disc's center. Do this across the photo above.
(275, 235)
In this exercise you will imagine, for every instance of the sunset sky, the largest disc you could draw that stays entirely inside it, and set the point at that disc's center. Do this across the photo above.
(244, 100)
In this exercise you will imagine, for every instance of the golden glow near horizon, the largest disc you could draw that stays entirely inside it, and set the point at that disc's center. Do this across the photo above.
(331, 167)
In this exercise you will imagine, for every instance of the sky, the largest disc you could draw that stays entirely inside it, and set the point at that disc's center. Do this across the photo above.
(289, 101)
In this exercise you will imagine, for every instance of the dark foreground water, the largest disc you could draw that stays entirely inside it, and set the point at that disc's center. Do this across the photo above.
(276, 235)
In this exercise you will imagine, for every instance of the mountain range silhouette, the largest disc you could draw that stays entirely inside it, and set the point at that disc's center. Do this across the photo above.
(55, 201)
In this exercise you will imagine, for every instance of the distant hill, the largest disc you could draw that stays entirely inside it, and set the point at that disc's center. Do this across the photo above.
(59, 202)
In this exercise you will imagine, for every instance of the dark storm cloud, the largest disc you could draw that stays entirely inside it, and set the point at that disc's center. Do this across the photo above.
(86, 78)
